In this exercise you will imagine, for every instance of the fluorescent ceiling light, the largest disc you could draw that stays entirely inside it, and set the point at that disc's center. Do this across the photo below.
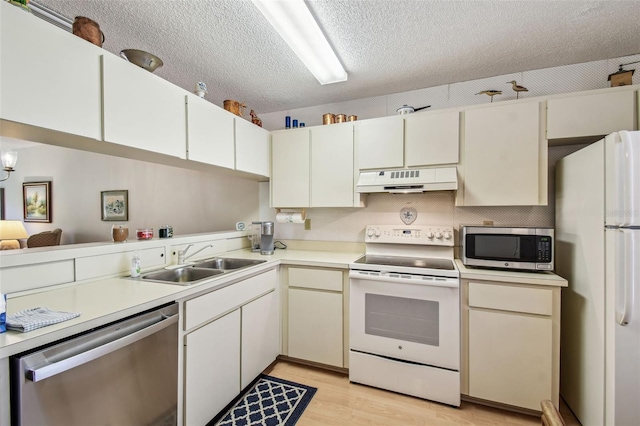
(295, 24)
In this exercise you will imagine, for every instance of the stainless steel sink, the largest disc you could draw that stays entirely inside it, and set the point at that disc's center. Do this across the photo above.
(182, 276)
(227, 264)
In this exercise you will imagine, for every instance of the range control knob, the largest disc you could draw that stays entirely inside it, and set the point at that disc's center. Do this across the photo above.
(370, 232)
(377, 232)
(447, 235)
(429, 234)
(438, 235)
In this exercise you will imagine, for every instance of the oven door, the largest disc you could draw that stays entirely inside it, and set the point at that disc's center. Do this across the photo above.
(406, 317)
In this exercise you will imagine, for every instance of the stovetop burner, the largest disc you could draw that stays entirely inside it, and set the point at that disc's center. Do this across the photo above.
(407, 262)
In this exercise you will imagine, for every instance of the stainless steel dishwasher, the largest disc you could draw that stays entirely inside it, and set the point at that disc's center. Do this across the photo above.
(123, 374)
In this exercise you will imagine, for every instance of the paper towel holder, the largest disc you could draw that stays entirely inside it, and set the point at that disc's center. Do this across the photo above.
(304, 212)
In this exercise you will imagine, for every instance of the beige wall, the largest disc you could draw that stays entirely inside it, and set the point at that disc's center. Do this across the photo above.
(190, 201)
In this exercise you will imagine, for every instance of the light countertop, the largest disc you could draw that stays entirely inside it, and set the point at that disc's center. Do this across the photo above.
(112, 299)
(516, 277)
(108, 300)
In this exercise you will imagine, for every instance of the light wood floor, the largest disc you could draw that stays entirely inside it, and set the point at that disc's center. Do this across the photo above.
(338, 402)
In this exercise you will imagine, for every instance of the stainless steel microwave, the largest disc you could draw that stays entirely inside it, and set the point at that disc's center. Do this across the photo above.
(529, 249)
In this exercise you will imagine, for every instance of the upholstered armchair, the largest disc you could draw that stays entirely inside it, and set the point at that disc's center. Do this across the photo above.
(44, 239)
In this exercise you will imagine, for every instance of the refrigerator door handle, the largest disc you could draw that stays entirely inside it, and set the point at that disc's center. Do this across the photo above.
(628, 161)
(628, 276)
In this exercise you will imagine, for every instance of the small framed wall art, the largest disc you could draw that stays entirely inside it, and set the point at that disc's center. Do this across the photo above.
(36, 197)
(115, 205)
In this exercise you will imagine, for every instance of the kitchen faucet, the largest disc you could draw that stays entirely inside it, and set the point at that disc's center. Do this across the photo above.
(182, 253)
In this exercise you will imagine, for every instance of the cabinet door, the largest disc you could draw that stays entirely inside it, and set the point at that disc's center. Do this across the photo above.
(212, 368)
(505, 159)
(510, 358)
(290, 168)
(141, 110)
(260, 336)
(590, 115)
(252, 148)
(210, 133)
(315, 326)
(431, 138)
(332, 166)
(49, 78)
(380, 143)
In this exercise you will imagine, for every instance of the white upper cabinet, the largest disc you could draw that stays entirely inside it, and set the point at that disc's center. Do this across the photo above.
(290, 168)
(504, 156)
(414, 140)
(595, 114)
(252, 148)
(431, 138)
(141, 110)
(49, 78)
(210, 133)
(380, 143)
(332, 168)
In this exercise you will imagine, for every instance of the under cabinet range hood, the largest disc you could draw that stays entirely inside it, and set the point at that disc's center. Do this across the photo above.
(408, 180)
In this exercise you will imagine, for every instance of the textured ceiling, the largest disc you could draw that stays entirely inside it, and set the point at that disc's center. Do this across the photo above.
(386, 46)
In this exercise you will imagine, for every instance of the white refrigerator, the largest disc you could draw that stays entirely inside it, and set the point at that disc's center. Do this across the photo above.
(598, 251)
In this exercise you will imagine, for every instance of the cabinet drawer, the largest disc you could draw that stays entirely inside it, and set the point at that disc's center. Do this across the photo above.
(211, 305)
(509, 298)
(315, 278)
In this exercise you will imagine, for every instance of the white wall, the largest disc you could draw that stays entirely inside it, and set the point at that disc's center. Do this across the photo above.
(543, 82)
(190, 201)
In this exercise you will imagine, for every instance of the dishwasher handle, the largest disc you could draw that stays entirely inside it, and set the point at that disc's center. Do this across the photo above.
(52, 368)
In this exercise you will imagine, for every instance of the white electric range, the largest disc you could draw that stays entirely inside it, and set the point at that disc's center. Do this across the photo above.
(405, 313)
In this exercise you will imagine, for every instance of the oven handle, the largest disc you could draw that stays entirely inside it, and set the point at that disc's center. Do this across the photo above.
(384, 276)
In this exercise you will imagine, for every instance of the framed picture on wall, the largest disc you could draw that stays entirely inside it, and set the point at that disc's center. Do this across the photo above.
(115, 205)
(36, 201)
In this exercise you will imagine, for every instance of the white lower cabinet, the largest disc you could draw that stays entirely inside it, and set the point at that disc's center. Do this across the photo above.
(260, 336)
(315, 316)
(212, 374)
(511, 336)
(231, 335)
(510, 358)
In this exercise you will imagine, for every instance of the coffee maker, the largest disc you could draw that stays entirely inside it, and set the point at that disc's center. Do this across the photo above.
(266, 238)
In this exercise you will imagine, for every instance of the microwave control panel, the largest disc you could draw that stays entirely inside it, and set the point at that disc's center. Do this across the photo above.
(544, 249)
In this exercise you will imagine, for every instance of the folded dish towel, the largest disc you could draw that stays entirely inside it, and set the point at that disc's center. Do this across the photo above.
(30, 319)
